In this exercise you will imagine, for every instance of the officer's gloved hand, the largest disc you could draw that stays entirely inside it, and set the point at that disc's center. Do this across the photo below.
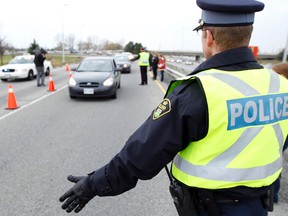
(79, 195)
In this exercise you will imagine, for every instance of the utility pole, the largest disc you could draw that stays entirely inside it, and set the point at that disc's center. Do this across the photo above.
(63, 38)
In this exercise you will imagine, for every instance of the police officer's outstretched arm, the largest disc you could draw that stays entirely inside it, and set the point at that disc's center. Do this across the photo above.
(136, 57)
(78, 195)
(144, 154)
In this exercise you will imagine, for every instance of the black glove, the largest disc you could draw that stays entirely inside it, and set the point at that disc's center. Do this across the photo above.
(79, 195)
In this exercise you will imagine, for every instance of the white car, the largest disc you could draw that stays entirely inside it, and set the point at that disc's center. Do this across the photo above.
(188, 62)
(22, 67)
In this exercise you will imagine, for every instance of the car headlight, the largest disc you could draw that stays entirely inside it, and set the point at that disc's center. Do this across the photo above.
(72, 82)
(125, 65)
(108, 82)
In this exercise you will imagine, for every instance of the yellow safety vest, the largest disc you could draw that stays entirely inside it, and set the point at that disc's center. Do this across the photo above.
(144, 59)
(248, 112)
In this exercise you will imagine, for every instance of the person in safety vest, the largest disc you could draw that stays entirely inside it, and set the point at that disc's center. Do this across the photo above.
(223, 126)
(143, 61)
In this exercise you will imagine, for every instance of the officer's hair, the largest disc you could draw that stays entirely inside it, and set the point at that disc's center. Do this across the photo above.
(231, 37)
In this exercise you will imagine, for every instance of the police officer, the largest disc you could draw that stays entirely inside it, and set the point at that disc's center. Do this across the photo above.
(143, 63)
(223, 126)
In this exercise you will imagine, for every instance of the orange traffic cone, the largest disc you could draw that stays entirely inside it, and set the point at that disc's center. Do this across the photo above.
(11, 104)
(67, 67)
(70, 74)
(51, 84)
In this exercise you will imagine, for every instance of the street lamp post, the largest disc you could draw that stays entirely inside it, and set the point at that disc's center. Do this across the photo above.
(63, 54)
(63, 43)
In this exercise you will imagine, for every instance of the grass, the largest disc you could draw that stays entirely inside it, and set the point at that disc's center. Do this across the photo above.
(6, 59)
(56, 60)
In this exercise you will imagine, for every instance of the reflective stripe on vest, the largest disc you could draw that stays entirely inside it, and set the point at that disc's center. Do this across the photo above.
(144, 59)
(244, 141)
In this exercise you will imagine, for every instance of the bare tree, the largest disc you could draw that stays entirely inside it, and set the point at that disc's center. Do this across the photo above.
(58, 41)
(70, 40)
(91, 43)
(94, 41)
(103, 44)
(3, 46)
(108, 45)
(80, 45)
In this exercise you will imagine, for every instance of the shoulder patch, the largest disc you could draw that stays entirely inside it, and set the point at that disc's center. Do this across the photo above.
(163, 108)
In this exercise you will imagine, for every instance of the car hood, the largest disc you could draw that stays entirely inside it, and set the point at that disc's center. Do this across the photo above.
(123, 62)
(46, 62)
(15, 66)
(91, 76)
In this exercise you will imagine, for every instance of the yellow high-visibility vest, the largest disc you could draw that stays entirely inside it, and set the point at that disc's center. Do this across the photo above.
(248, 112)
(144, 59)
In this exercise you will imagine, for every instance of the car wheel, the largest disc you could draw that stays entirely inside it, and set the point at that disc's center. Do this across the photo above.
(72, 97)
(47, 73)
(30, 75)
(4, 80)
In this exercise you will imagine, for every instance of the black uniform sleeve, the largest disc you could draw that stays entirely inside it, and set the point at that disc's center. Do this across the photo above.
(135, 58)
(155, 143)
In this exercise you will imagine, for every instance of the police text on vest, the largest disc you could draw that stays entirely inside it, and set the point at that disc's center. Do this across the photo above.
(255, 111)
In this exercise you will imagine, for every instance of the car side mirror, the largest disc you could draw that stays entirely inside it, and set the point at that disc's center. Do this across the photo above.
(118, 69)
(73, 69)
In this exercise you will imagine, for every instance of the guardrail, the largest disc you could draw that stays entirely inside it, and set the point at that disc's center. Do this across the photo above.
(174, 73)
(177, 72)
(200, 54)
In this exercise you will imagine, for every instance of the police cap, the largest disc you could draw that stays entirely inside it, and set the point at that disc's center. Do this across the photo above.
(228, 12)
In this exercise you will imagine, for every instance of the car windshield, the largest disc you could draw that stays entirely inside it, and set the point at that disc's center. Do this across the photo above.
(95, 65)
(22, 60)
(121, 58)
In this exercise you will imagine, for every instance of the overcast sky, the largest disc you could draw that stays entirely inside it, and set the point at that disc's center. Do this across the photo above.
(157, 24)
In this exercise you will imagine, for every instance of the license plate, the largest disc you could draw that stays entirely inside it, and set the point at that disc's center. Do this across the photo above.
(88, 91)
(7, 75)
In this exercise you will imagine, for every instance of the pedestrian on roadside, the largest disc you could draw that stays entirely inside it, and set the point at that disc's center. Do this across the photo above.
(39, 59)
(155, 61)
(281, 69)
(216, 125)
(161, 67)
(150, 60)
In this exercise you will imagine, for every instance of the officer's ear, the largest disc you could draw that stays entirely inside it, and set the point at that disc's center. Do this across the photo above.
(209, 38)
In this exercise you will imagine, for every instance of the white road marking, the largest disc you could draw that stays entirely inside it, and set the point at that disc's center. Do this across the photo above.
(31, 103)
